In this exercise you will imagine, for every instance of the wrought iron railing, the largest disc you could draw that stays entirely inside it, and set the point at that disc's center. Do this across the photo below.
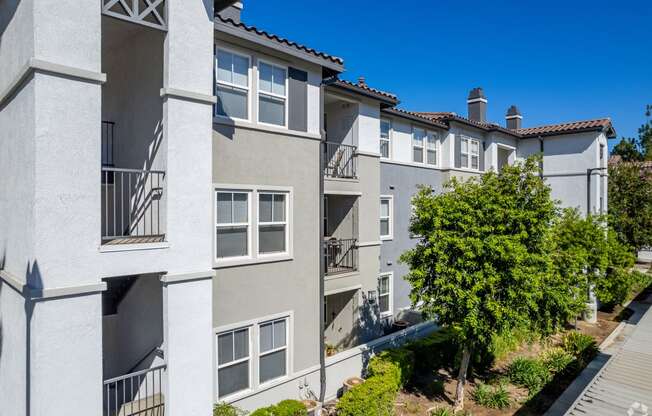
(140, 393)
(340, 160)
(341, 256)
(131, 204)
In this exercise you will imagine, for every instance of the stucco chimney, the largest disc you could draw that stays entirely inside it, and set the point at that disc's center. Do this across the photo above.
(477, 103)
(513, 118)
(232, 12)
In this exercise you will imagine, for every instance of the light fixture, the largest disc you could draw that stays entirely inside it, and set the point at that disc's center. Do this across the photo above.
(372, 297)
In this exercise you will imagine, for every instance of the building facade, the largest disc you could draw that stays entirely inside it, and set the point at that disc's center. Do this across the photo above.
(199, 211)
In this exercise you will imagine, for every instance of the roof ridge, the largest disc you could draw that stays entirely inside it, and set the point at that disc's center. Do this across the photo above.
(280, 39)
(368, 88)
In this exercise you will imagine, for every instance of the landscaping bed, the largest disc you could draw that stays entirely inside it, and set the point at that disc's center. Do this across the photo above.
(437, 389)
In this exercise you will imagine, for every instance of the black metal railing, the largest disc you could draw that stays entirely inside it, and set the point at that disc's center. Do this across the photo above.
(341, 255)
(340, 160)
(108, 144)
(131, 204)
(140, 393)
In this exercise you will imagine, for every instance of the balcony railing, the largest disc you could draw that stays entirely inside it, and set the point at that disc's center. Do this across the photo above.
(139, 393)
(341, 256)
(340, 160)
(132, 211)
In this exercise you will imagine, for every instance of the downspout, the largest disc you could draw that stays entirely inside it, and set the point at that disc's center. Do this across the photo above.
(322, 263)
(541, 150)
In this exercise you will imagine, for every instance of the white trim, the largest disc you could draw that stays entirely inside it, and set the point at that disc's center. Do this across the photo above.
(422, 147)
(413, 164)
(343, 290)
(248, 88)
(388, 139)
(369, 244)
(505, 146)
(248, 224)
(253, 257)
(369, 154)
(339, 192)
(477, 100)
(34, 64)
(188, 95)
(285, 98)
(389, 294)
(186, 277)
(267, 128)
(513, 117)
(254, 355)
(436, 148)
(390, 217)
(285, 222)
(40, 294)
(469, 153)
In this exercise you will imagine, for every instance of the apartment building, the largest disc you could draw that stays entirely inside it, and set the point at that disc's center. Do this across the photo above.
(200, 211)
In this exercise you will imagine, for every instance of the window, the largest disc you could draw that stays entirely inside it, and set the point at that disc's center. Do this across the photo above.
(470, 153)
(326, 231)
(385, 127)
(272, 223)
(386, 232)
(273, 350)
(232, 224)
(432, 143)
(232, 89)
(602, 152)
(233, 361)
(271, 94)
(385, 294)
(418, 136)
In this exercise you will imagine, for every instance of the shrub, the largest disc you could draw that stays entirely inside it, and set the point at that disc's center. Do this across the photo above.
(441, 411)
(557, 360)
(530, 373)
(284, 408)
(437, 350)
(395, 364)
(494, 398)
(509, 341)
(581, 346)
(223, 409)
(374, 397)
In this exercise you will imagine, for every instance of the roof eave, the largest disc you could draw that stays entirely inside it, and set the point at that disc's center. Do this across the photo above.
(262, 40)
(575, 131)
(369, 94)
(412, 117)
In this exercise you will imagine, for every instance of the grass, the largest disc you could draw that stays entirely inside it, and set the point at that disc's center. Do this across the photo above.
(496, 397)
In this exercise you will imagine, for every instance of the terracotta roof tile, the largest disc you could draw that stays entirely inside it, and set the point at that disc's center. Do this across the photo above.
(363, 88)
(416, 116)
(449, 116)
(253, 29)
(565, 128)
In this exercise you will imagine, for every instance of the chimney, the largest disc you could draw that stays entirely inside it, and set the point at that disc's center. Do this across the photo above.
(232, 11)
(477, 105)
(513, 118)
(362, 82)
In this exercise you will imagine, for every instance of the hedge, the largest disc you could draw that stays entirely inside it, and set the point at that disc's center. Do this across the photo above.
(284, 408)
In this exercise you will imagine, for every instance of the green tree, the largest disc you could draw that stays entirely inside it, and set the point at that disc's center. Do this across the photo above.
(637, 149)
(482, 265)
(630, 204)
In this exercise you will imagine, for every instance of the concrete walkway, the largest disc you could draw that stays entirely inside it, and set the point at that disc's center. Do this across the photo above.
(620, 376)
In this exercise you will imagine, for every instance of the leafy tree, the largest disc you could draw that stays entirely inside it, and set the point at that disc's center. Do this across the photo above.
(637, 149)
(482, 265)
(630, 204)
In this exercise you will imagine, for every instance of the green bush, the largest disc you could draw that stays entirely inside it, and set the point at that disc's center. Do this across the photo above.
(223, 409)
(530, 373)
(496, 397)
(395, 364)
(374, 397)
(557, 360)
(581, 346)
(284, 408)
(437, 350)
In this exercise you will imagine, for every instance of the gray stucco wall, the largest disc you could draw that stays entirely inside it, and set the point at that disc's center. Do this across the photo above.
(252, 157)
(402, 181)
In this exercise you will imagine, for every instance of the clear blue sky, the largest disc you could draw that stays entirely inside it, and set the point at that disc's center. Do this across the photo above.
(556, 60)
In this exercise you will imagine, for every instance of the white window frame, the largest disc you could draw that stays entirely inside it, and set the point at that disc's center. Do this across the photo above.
(254, 354)
(259, 92)
(469, 153)
(285, 348)
(249, 358)
(260, 223)
(388, 139)
(432, 148)
(390, 302)
(423, 144)
(390, 217)
(248, 224)
(231, 85)
(254, 256)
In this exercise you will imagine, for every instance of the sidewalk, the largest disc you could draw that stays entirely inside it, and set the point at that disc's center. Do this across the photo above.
(619, 376)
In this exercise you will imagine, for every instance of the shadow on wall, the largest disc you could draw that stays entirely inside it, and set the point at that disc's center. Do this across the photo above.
(368, 325)
(224, 130)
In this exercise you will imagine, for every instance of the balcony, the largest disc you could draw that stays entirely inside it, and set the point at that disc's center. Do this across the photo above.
(139, 393)
(340, 160)
(132, 202)
(341, 256)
